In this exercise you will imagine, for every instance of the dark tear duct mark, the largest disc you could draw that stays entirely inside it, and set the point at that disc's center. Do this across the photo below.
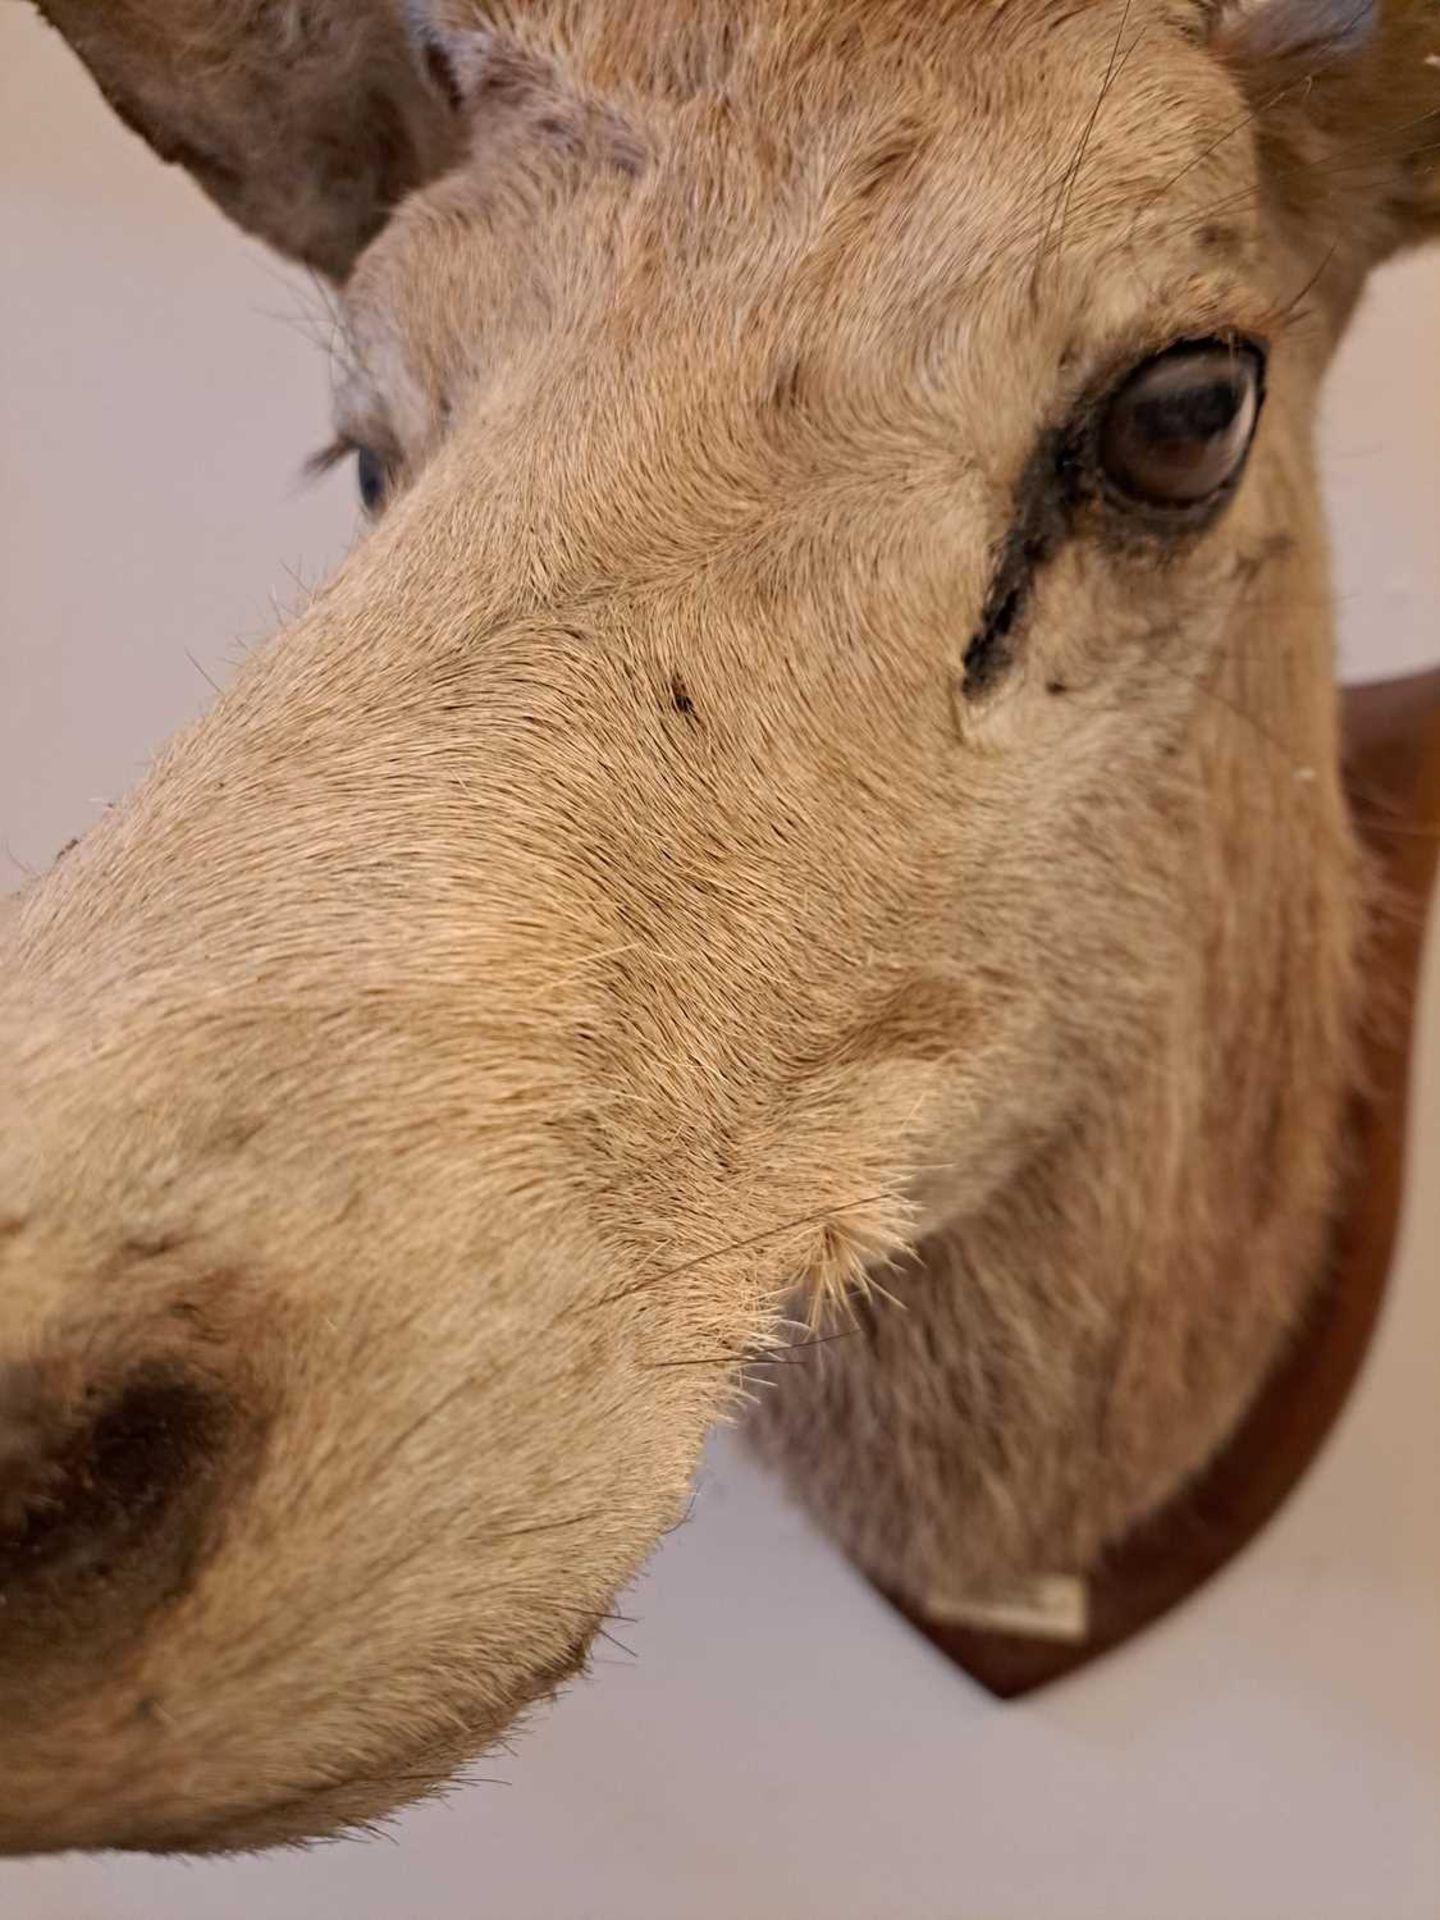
(1042, 520)
(991, 651)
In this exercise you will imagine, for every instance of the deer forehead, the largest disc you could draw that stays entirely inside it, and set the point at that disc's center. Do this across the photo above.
(806, 225)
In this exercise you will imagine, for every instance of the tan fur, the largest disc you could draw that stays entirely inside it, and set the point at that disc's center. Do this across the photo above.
(603, 924)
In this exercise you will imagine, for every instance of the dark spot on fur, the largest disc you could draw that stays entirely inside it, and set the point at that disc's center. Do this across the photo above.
(787, 390)
(885, 163)
(561, 130)
(1056, 686)
(1227, 241)
(12, 1225)
(680, 697)
(623, 150)
(234, 1132)
(150, 1246)
(1253, 560)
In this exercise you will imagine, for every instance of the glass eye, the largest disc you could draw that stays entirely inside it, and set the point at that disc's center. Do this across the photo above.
(1176, 433)
(372, 477)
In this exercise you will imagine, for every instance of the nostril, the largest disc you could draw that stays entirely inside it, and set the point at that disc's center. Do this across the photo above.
(101, 1485)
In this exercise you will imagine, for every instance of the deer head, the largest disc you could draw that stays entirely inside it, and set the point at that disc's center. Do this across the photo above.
(828, 748)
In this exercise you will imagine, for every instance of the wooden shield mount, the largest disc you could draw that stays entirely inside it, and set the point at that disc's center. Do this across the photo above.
(1393, 781)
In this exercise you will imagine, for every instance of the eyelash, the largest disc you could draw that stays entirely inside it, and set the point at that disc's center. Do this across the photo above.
(384, 466)
(333, 454)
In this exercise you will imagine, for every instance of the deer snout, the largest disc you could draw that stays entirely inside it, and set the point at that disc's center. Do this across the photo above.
(299, 1505)
(116, 1468)
(340, 1398)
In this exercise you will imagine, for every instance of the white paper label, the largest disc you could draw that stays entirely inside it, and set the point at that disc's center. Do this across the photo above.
(1053, 1606)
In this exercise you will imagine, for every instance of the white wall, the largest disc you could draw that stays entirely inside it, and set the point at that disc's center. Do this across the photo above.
(161, 382)
(781, 1747)
(1381, 439)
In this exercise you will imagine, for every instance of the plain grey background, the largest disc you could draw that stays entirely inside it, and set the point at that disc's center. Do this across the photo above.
(778, 1745)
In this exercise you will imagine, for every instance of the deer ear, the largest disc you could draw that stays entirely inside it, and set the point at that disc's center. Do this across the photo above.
(305, 121)
(1294, 29)
(1347, 104)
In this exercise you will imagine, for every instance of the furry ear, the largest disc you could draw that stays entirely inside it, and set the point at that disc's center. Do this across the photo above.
(455, 58)
(305, 120)
(1294, 29)
(1347, 101)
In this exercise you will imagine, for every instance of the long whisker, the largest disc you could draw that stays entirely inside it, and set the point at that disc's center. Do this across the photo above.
(1112, 74)
(1061, 208)
(736, 1246)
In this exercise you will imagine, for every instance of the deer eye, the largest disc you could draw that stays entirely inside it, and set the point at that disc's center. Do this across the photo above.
(373, 477)
(1175, 433)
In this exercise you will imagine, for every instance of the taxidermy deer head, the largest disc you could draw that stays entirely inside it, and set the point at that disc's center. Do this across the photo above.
(820, 782)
